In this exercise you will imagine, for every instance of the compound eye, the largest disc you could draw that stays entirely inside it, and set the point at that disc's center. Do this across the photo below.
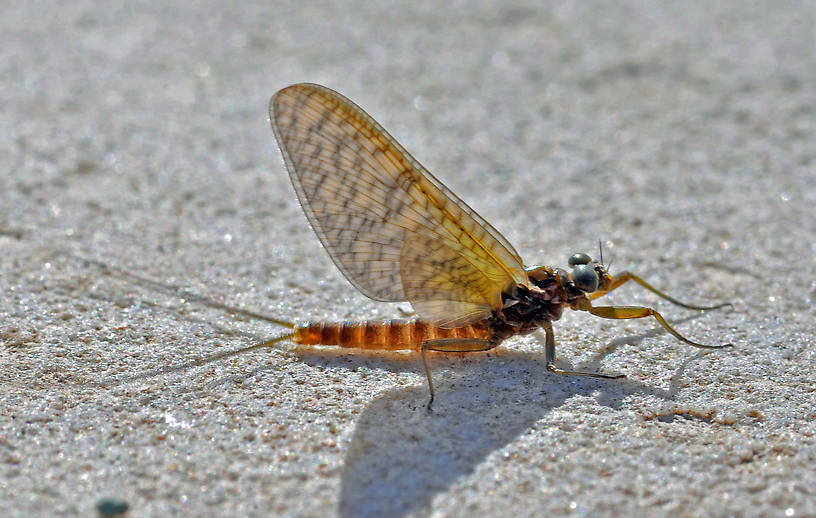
(579, 259)
(585, 278)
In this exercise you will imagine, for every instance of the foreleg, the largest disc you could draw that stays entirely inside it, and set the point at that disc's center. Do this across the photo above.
(624, 277)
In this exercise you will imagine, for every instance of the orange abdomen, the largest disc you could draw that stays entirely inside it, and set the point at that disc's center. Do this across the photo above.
(391, 335)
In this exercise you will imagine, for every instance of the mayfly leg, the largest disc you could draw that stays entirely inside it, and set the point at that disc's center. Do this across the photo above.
(451, 345)
(623, 277)
(625, 312)
(550, 358)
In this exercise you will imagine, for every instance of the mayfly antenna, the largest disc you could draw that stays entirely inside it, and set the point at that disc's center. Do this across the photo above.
(600, 251)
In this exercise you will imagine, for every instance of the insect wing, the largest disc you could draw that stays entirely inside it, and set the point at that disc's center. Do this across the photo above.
(442, 284)
(396, 232)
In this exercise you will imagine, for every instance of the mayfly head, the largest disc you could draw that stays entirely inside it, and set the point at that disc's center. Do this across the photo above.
(588, 275)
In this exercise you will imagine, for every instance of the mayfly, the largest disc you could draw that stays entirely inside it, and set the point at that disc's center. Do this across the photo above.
(398, 234)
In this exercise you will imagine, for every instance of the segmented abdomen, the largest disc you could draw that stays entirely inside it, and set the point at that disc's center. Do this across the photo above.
(390, 335)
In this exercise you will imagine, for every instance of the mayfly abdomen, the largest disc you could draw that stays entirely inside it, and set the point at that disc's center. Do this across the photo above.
(390, 335)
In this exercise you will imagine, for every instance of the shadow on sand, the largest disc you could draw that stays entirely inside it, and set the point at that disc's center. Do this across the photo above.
(402, 456)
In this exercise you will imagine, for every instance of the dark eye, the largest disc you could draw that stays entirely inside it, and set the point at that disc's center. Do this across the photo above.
(579, 259)
(585, 278)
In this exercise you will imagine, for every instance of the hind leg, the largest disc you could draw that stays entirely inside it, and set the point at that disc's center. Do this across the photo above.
(451, 345)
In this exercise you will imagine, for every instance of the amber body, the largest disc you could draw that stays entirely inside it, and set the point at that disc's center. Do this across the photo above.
(524, 309)
(389, 335)
(398, 234)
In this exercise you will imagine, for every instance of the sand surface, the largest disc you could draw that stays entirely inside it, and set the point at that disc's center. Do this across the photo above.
(141, 192)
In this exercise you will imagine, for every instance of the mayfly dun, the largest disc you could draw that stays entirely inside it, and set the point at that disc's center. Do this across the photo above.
(398, 234)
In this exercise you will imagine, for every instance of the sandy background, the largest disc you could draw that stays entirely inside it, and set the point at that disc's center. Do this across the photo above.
(141, 188)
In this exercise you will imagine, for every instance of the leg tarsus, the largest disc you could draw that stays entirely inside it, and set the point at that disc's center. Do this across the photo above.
(556, 370)
(450, 345)
(423, 351)
(550, 358)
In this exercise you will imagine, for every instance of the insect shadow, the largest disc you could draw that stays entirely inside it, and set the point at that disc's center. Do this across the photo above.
(400, 456)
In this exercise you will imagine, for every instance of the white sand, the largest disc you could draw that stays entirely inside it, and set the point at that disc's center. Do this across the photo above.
(137, 157)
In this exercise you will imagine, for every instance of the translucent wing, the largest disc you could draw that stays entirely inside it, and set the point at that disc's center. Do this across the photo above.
(393, 229)
(442, 283)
